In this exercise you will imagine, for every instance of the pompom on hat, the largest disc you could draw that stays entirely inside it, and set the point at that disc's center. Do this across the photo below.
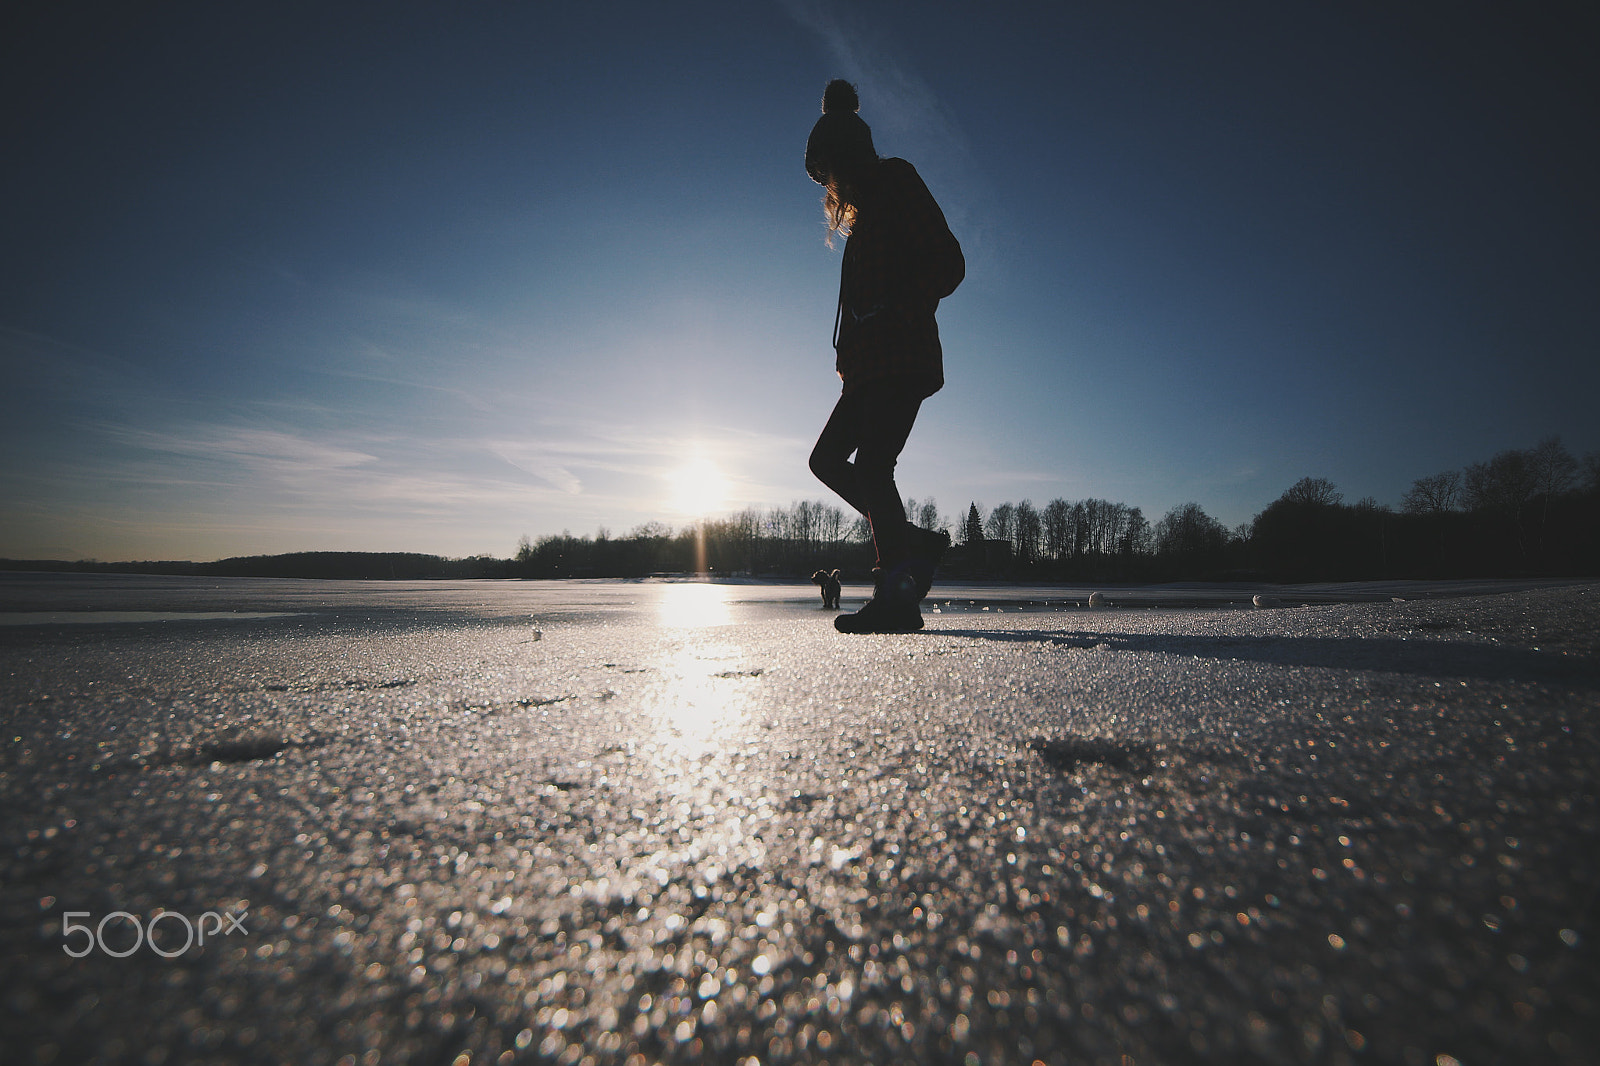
(839, 134)
(840, 96)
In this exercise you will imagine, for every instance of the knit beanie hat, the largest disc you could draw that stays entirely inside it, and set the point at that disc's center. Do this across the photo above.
(839, 134)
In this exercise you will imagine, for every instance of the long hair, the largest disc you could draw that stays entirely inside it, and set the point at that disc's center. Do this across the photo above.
(839, 212)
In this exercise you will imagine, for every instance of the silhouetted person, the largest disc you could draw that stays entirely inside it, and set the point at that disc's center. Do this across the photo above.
(900, 260)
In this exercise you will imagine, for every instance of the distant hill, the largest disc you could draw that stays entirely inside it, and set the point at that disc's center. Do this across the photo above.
(347, 566)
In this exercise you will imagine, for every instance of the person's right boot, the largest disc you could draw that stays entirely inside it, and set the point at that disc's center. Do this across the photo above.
(892, 609)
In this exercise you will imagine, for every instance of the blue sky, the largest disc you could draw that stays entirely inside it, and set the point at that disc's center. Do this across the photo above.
(285, 277)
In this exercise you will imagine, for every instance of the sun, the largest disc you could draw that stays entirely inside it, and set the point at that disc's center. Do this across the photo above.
(697, 488)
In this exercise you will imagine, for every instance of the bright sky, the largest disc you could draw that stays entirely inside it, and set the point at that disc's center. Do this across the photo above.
(280, 277)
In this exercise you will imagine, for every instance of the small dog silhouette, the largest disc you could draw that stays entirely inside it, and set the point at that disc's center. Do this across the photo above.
(830, 587)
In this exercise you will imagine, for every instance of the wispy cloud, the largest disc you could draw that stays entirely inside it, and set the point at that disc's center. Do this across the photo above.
(536, 459)
(132, 467)
(897, 100)
(642, 457)
(620, 471)
(266, 452)
(907, 114)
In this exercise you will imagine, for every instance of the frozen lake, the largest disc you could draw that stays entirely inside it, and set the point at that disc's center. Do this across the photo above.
(25, 594)
(673, 821)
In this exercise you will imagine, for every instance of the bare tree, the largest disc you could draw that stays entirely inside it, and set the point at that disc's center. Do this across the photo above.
(830, 524)
(1136, 537)
(1057, 529)
(1554, 468)
(1080, 529)
(805, 525)
(1122, 515)
(1027, 520)
(1001, 522)
(1190, 536)
(1105, 522)
(776, 524)
(1555, 471)
(1504, 486)
(1506, 483)
(1435, 494)
(1094, 514)
(1317, 491)
(745, 532)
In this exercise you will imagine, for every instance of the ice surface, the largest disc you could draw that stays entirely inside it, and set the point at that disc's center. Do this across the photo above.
(691, 822)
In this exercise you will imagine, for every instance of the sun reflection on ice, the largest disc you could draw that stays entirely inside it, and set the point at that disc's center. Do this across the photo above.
(701, 696)
(703, 691)
(694, 607)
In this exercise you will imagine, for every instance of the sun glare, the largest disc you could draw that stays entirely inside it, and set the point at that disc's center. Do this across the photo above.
(694, 606)
(697, 488)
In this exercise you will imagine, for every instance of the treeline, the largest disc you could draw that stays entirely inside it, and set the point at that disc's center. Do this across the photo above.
(1525, 511)
(1086, 540)
(798, 540)
(1094, 539)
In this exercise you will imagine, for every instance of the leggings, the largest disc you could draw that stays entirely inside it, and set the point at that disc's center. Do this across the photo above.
(873, 421)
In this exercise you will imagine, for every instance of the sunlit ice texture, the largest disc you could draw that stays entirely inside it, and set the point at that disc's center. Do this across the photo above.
(694, 606)
(699, 696)
(694, 823)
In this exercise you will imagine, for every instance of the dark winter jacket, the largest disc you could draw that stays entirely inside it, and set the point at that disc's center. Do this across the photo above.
(900, 261)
